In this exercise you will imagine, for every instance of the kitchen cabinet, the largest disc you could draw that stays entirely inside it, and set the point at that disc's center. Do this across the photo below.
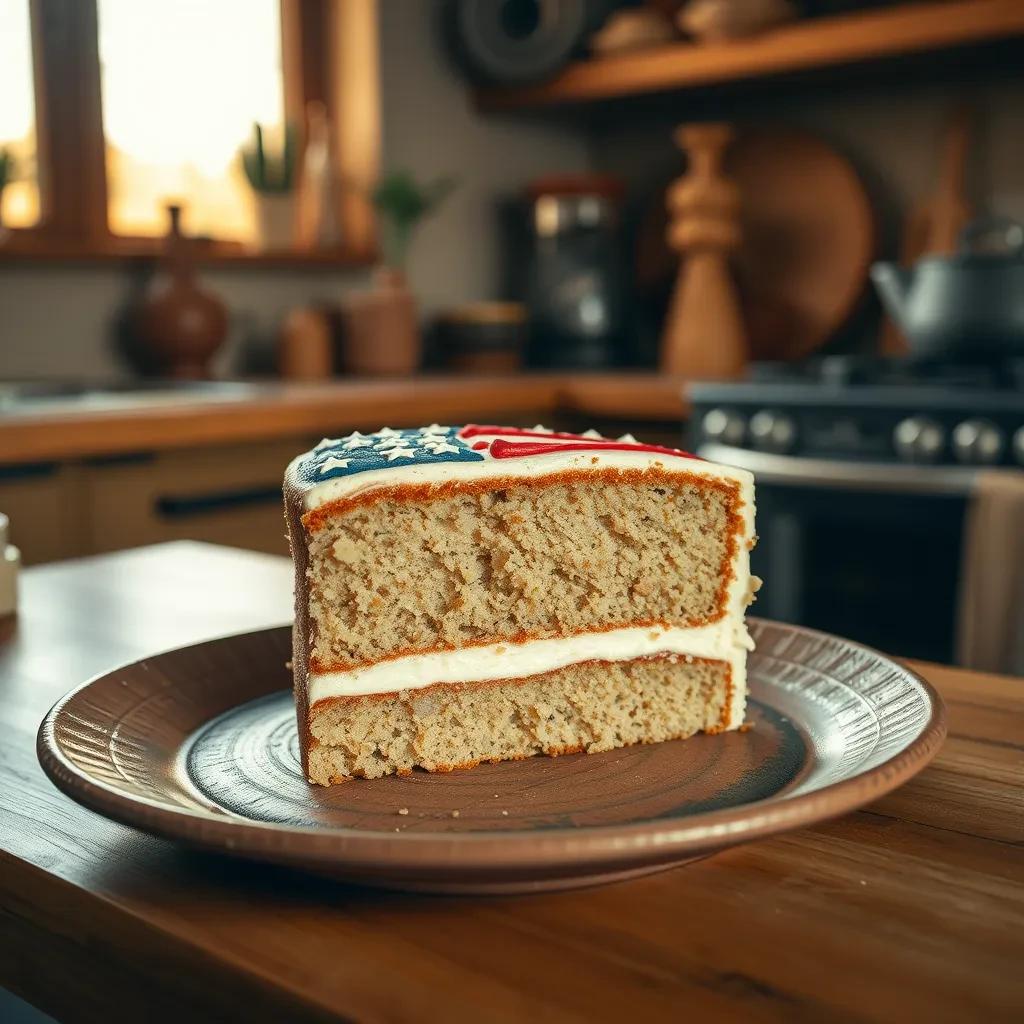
(43, 503)
(223, 495)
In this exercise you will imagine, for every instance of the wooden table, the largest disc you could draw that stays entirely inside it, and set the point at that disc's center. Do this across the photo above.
(911, 909)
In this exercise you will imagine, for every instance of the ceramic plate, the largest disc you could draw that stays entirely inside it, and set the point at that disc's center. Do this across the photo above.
(199, 745)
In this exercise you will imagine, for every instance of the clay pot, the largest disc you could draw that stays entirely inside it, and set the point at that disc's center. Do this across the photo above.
(180, 323)
(305, 347)
(381, 328)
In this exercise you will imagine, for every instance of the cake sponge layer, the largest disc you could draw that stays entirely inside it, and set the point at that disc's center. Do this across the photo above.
(534, 558)
(591, 706)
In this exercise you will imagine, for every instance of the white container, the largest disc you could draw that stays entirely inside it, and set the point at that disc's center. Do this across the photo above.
(10, 563)
(275, 221)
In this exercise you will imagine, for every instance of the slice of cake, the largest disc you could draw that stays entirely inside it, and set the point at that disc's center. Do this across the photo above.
(481, 593)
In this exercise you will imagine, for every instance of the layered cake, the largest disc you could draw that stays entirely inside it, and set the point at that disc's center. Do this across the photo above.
(483, 593)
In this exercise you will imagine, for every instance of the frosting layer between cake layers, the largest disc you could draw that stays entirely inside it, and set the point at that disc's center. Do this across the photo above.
(726, 640)
(354, 467)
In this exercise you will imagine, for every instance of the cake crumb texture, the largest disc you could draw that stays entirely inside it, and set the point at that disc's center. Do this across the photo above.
(591, 706)
(395, 577)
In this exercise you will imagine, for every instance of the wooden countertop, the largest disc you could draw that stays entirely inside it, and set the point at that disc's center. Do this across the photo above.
(910, 909)
(64, 431)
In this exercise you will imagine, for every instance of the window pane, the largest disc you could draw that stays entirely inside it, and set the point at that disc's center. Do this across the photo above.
(18, 115)
(182, 84)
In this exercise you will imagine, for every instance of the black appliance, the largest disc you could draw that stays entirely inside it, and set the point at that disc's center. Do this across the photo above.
(512, 42)
(576, 289)
(863, 469)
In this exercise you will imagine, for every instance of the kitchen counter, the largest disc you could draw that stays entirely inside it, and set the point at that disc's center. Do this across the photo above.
(122, 422)
(911, 908)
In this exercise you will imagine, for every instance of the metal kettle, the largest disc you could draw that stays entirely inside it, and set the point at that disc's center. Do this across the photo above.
(968, 306)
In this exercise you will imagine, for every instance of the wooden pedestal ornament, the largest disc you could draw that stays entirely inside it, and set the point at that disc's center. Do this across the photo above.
(703, 335)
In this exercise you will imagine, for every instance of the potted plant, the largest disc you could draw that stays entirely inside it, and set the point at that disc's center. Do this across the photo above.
(272, 177)
(382, 334)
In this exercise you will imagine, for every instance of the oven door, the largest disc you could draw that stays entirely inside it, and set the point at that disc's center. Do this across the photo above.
(866, 550)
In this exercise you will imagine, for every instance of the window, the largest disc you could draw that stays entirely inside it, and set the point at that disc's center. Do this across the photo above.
(173, 127)
(114, 109)
(18, 115)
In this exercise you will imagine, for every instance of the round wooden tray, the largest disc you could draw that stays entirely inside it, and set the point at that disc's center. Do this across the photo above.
(199, 745)
(808, 241)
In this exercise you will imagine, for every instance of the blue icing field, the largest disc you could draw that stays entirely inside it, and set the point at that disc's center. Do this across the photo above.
(359, 453)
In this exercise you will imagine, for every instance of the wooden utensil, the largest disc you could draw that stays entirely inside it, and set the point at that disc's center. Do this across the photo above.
(703, 336)
(316, 222)
(807, 240)
(933, 227)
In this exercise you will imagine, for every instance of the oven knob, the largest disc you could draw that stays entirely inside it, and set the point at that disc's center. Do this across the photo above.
(772, 431)
(724, 427)
(918, 439)
(978, 442)
(1018, 445)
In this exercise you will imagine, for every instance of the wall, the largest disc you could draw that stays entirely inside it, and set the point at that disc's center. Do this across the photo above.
(57, 321)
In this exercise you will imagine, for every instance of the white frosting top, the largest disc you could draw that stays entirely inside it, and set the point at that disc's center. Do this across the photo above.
(345, 467)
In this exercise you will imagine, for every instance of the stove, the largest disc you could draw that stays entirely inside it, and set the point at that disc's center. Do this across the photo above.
(865, 470)
(868, 410)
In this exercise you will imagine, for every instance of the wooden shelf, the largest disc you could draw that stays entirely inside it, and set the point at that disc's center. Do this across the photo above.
(29, 247)
(818, 44)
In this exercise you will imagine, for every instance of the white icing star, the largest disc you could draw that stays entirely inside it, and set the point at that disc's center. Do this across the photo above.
(629, 439)
(387, 432)
(434, 428)
(327, 442)
(592, 434)
(356, 440)
(400, 453)
(332, 462)
(541, 429)
(392, 442)
(437, 447)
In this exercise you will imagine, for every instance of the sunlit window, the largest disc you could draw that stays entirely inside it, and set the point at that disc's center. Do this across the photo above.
(182, 83)
(18, 116)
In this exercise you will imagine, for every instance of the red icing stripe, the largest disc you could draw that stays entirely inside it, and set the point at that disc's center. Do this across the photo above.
(476, 430)
(520, 449)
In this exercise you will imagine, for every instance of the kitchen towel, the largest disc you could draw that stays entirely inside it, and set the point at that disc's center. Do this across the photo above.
(990, 630)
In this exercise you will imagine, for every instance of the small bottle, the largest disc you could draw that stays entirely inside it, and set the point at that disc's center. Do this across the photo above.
(10, 563)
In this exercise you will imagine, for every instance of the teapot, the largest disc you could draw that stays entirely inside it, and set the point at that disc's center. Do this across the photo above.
(968, 306)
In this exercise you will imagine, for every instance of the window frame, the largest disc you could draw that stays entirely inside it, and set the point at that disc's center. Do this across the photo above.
(330, 53)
